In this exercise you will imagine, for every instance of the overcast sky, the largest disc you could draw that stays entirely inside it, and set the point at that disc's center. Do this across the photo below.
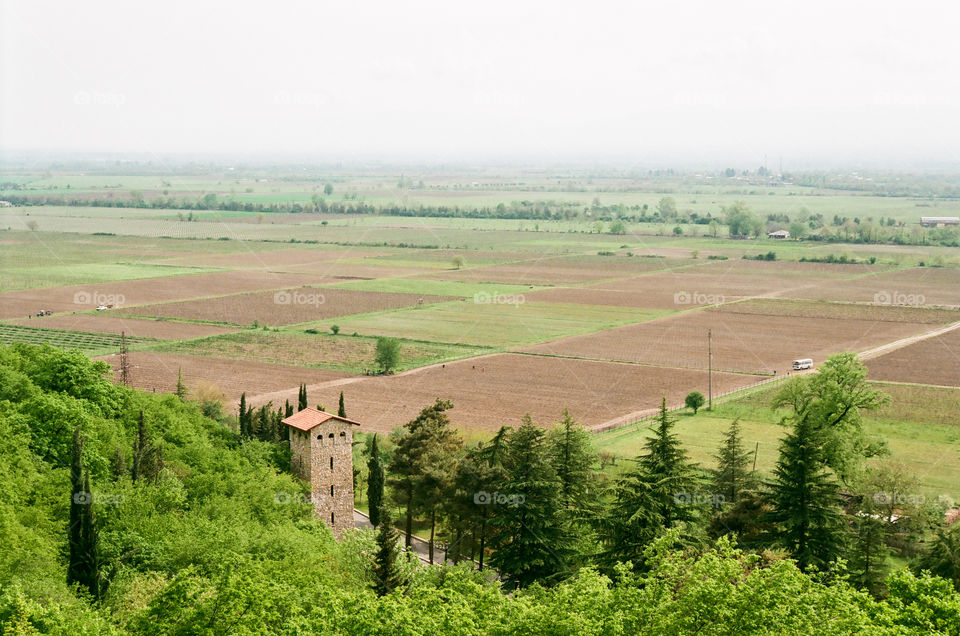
(685, 81)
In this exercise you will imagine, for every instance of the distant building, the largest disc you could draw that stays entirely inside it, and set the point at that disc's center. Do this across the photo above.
(779, 234)
(939, 221)
(321, 446)
(5, 204)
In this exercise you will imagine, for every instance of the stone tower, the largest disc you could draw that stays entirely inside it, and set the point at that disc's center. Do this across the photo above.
(321, 446)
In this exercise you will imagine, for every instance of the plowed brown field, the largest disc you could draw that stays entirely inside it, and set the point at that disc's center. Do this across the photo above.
(284, 307)
(935, 360)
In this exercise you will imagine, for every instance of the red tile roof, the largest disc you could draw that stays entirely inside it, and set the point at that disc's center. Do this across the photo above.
(309, 418)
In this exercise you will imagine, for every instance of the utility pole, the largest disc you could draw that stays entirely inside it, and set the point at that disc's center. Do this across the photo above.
(124, 363)
(710, 368)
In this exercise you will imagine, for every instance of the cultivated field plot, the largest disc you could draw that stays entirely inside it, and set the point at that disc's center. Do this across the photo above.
(559, 270)
(132, 327)
(762, 336)
(351, 354)
(934, 360)
(504, 321)
(271, 259)
(915, 286)
(493, 391)
(20, 304)
(158, 371)
(709, 283)
(86, 342)
(284, 307)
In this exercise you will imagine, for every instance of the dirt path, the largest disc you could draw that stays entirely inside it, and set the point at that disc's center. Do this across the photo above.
(869, 354)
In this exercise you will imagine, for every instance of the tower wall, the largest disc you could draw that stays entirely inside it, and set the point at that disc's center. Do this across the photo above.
(332, 440)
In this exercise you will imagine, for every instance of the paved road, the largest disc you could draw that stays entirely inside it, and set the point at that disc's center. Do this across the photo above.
(420, 547)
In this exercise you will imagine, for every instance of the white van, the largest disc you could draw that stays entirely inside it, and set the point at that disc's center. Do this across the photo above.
(804, 363)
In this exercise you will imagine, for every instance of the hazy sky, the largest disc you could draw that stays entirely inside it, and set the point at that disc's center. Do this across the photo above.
(692, 81)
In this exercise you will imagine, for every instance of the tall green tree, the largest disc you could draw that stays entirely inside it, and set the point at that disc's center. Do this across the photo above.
(734, 474)
(660, 493)
(574, 461)
(341, 409)
(387, 354)
(375, 482)
(83, 568)
(530, 542)
(181, 390)
(804, 495)
(147, 457)
(302, 398)
(831, 401)
(413, 445)
(386, 573)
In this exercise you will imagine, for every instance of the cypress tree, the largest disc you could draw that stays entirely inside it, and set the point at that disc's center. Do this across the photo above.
(241, 417)
(386, 574)
(287, 409)
(84, 562)
(302, 398)
(375, 482)
(341, 410)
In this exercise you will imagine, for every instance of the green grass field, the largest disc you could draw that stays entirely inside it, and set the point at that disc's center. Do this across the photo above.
(494, 324)
(93, 344)
(919, 425)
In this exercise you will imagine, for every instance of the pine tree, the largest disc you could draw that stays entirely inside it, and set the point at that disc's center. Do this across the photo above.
(573, 459)
(386, 573)
(181, 391)
(657, 495)
(413, 444)
(375, 482)
(341, 410)
(733, 475)
(530, 541)
(287, 409)
(804, 495)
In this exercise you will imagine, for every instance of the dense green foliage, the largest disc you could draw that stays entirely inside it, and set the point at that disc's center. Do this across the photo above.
(209, 539)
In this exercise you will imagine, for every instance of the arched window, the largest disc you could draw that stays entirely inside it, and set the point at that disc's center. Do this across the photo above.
(330, 436)
(342, 434)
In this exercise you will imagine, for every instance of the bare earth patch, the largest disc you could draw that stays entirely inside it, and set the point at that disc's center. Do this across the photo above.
(745, 341)
(20, 304)
(493, 391)
(284, 307)
(935, 360)
(158, 371)
(133, 327)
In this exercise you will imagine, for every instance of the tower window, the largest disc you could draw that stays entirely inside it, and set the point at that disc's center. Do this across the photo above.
(331, 519)
(331, 463)
(331, 490)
